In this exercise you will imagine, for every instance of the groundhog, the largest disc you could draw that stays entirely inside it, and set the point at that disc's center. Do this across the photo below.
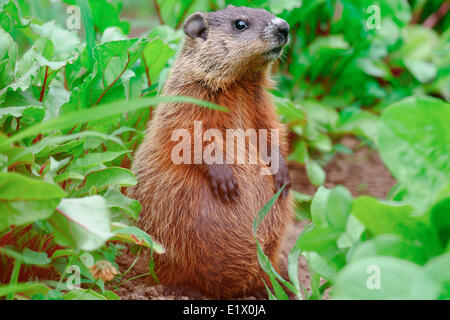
(202, 211)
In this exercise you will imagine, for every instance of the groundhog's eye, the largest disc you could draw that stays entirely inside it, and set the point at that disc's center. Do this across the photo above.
(240, 25)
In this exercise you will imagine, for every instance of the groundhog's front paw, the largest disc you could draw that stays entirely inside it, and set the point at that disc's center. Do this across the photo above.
(223, 183)
(282, 178)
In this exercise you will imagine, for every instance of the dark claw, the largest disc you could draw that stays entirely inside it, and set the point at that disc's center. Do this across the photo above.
(223, 182)
(282, 178)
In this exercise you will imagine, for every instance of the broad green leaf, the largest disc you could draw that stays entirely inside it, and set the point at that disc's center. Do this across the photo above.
(155, 56)
(117, 200)
(377, 278)
(422, 70)
(64, 42)
(8, 57)
(440, 218)
(327, 265)
(113, 34)
(434, 281)
(331, 207)
(24, 200)
(316, 173)
(388, 217)
(106, 14)
(390, 245)
(361, 123)
(413, 138)
(82, 224)
(56, 97)
(83, 294)
(136, 236)
(105, 178)
(28, 256)
(278, 7)
(319, 239)
(92, 159)
(27, 289)
(319, 206)
(339, 204)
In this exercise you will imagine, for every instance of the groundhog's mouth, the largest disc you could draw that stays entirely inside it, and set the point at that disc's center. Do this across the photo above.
(275, 52)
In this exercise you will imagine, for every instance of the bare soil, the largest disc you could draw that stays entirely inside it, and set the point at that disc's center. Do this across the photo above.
(361, 172)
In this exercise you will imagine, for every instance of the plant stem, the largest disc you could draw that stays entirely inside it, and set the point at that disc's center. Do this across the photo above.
(158, 11)
(183, 15)
(14, 278)
(41, 98)
(115, 80)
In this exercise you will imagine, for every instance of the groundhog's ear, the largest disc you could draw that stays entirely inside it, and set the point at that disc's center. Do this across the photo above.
(196, 26)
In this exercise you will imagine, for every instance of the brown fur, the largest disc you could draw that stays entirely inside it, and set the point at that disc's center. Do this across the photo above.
(209, 243)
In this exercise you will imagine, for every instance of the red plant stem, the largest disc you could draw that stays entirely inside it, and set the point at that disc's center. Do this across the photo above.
(65, 80)
(42, 168)
(147, 72)
(41, 98)
(115, 80)
(158, 11)
(15, 164)
(434, 18)
(180, 22)
(38, 138)
(70, 132)
(149, 81)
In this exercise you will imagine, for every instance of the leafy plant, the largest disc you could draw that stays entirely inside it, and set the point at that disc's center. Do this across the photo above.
(389, 249)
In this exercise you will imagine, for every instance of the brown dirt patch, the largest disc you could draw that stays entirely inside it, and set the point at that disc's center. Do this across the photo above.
(361, 172)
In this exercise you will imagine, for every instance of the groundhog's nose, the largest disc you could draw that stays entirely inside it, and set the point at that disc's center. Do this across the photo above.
(283, 30)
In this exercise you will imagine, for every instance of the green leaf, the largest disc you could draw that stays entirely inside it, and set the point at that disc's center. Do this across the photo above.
(134, 235)
(82, 224)
(422, 70)
(278, 7)
(83, 294)
(339, 204)
(264, 261)
(319, 239)
(27, 289)
(388, 217)
(327, 265)
(93, 159)
(390, 245)
(27, 201)
(129, 206)
(88, 22)
(113, 108)
(440, 218)
(106, 15)
(56, 97)
(155, 56)
(434, 282)
(315, 172)
(28, 256)
(331, 208)
(319, 207)
(8, 57)
(105, 178)
(377, 278)
(413, 139)
(361, 123)
(64, 42)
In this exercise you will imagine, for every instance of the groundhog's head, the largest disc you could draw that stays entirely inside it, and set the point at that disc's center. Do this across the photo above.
(233, 43)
